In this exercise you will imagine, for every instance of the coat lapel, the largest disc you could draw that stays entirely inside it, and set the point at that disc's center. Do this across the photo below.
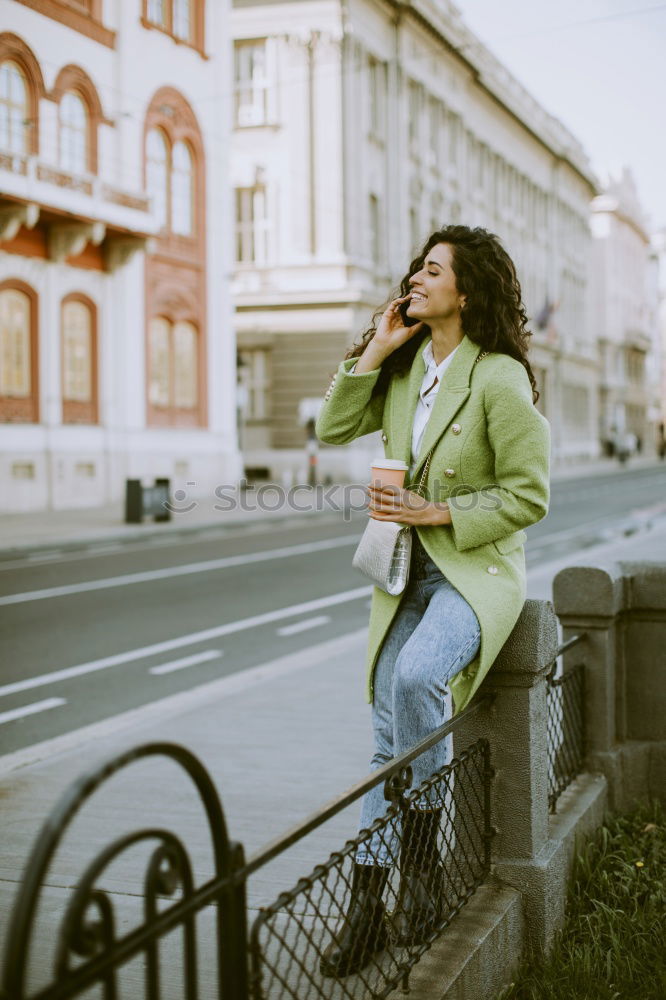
(404, 406)
(452, 393)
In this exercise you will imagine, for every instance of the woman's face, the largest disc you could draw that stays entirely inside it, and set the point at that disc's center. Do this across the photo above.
(434, 292)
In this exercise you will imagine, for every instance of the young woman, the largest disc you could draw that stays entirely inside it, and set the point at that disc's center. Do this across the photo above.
(445, 374)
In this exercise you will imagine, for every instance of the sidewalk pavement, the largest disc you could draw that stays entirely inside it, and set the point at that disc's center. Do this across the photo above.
(21, 534)
(279, 740)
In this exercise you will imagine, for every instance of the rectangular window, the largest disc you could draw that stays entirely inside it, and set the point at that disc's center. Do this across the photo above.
(374, 229)
(414, 227)
(437, 212)
(251, 82)
(434, 136)
(254, 383)
(251, 225)
(472, 163)
(376, 93)
(576, 410)
(182, 19)
(414, 96)
(157, 12)
(454, 138)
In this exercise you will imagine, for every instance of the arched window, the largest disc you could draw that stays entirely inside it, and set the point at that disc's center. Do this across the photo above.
(21, 87)
(14, 108)
(15, 332)
(159, 379)
(176, 274)
(173, 366)
(18, 346)
(157, 173)
(185, 366)
(74, 128)
(79, 368)
(182, 190)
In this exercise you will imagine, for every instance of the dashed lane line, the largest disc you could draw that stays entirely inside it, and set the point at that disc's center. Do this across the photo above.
(37, 706)
(186, 661)
(304, 625)
(184, 640)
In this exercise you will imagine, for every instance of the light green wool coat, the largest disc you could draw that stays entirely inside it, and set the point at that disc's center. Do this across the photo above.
(485, 430)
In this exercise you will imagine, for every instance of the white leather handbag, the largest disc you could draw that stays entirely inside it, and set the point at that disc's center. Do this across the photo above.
(385, 549)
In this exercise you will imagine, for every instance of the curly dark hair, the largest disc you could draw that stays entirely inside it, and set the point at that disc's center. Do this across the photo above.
(493, 316)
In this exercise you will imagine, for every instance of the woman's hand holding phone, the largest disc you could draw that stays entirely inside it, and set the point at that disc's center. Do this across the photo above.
(391, 334)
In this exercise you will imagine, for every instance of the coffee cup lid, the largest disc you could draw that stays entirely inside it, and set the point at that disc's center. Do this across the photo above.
(389, 463)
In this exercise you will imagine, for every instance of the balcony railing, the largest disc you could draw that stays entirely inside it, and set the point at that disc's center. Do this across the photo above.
(29, 179)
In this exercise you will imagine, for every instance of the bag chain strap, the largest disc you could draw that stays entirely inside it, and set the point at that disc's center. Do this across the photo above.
(424, 474)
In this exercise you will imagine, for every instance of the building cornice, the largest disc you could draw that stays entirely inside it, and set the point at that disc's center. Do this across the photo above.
(444, 22)
(609, 204)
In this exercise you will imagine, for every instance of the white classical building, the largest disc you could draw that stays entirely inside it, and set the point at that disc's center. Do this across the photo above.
(658, 244)
(360, 126)
(117, 355)
(625, 316)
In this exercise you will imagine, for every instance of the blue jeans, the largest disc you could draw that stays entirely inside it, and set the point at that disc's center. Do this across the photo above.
(433, 636)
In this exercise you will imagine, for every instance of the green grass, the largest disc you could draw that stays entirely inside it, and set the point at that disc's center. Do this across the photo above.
(613, 943)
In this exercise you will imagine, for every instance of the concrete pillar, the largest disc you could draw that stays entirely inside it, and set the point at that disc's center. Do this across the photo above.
(644, 633)
(588, 599)
(515, 724)
(621, 608)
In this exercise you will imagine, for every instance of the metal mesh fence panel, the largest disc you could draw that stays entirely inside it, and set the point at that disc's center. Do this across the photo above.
(344, 932)
(566, 729)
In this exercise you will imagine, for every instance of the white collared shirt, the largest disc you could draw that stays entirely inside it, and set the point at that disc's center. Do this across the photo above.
(427, 395)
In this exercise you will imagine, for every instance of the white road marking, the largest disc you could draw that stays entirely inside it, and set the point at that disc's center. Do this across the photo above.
(44, 556)
(184, 640)
(37, 706)
(173, 706)
(304, 625)
(171, 571)
(186, 661)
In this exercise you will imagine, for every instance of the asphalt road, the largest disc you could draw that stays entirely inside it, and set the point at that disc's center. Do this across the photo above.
(92, 634)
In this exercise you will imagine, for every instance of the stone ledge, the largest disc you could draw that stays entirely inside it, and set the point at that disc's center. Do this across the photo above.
(476, 955)
(519, 908)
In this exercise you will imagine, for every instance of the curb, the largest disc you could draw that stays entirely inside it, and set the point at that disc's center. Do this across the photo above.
(122, 535)
(143, 533)
(563, 474)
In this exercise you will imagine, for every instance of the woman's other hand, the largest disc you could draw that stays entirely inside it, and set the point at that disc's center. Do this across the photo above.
(391, 334)
(389, 503)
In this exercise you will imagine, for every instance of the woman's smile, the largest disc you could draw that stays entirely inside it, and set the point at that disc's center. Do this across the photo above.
(441, 299)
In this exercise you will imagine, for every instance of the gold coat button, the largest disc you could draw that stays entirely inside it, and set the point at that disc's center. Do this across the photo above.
(493, 570)
(456, 428)
(449, 472)
(384, 438)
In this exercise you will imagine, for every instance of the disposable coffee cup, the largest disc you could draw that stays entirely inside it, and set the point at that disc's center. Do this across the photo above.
(388, 472)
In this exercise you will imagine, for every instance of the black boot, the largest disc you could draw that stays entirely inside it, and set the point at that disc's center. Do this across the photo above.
(421, 876)
(363, 930)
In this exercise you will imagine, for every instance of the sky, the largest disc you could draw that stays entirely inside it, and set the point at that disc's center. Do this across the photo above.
(600, 67)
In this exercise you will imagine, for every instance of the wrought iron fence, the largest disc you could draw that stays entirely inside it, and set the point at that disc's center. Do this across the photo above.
(566, 723)
(439, 832)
